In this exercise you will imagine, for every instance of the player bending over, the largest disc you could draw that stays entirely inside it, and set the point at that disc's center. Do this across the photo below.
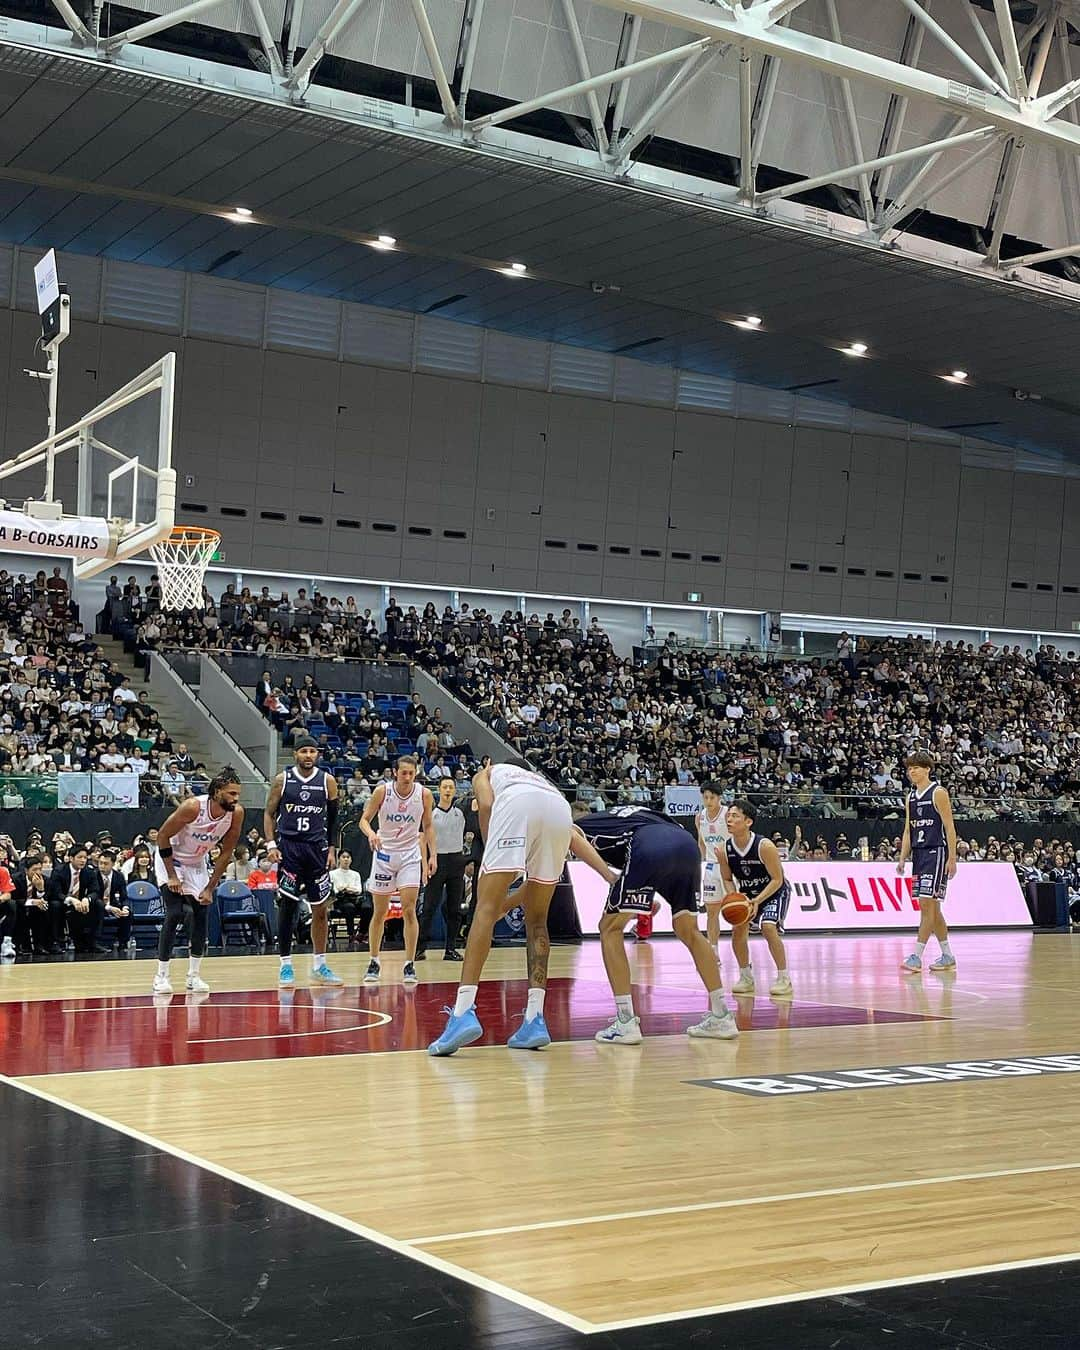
(186, 883)
(526, 826)
(930, 841)
(655, 854)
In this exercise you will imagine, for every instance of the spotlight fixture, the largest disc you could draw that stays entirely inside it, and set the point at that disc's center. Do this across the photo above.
(242, 211)
(751, 323)
(384, 242)
(854, 349)
(517, 267)
(959, 375)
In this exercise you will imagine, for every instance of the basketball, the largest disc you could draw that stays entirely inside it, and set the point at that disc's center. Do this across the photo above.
(735, 908)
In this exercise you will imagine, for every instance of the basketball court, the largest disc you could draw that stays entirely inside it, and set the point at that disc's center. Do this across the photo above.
(598, 1189)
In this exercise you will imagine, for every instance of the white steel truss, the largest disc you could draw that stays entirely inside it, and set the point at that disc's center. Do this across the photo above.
(1001, 102)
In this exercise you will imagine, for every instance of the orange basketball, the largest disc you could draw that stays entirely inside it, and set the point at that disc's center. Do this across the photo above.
(736, 908)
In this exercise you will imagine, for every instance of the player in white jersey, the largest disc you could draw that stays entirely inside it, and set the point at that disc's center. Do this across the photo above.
(403, 851)
(527, 830)
(713, 834)
(182, 871)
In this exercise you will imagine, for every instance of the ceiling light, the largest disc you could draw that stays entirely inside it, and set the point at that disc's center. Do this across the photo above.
(959, 375)
(242, 211)
(855, 349)
(518, 268)
(383, 241)
(751, 323)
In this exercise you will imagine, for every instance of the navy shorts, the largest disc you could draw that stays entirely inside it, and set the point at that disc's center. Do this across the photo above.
(928, 873)
(661, 858)
(303, 873)
(774, 910)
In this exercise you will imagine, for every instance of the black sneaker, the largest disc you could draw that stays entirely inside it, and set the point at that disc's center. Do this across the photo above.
(453, 955)
(409, 975)
(372, 974)
(420, 956)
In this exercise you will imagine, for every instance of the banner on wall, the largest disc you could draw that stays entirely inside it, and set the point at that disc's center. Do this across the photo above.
(98, 791)
(681, 802)
(72, 537)
(858, 897)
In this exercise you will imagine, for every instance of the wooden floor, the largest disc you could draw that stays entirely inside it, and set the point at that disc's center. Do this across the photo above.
(605, 1184)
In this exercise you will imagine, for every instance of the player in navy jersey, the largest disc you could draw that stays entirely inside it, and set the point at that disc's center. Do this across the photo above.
(750, 863)
(930, 841)
(299, 821)
(655, 855)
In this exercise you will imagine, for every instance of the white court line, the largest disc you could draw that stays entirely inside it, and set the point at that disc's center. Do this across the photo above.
(736, 1204)
(282, 1197)
(837, 1291)
(557, 1315)
(382, 1020)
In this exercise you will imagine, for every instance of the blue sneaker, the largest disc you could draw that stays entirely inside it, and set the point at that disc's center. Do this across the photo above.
(286, 976)
(459, 1031)
(911, 965)
(531, 1035)
(324, 975)
(944, 962)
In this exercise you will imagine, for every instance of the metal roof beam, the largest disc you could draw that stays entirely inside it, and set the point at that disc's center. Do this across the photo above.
(932, 150)
(749, 28)
(78, 28)
(431, 49)
(557, 96)
(158, 24)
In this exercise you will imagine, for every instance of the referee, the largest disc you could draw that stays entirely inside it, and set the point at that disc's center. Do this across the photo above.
(449, 876)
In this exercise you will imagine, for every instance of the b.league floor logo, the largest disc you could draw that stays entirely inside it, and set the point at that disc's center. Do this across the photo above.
(894, 1075)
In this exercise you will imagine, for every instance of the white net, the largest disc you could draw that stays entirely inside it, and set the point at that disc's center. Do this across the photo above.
(182, 559)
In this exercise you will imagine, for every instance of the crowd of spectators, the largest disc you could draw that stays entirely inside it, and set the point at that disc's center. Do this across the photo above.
(64, 706)
(817, 736)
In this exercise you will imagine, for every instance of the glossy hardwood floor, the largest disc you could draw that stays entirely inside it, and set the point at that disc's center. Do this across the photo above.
(608, 1184)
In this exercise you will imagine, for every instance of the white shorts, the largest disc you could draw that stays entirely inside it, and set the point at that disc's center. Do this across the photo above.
(528, 834)
(712, 883)
(394, 872)
(194, 877)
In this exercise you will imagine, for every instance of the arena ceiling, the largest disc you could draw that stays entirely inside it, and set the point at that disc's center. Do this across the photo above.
(112, 147)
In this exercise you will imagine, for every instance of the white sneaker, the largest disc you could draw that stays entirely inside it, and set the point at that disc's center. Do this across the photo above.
(162, 985)
(7, 948)
(743, 985)
(621, 1033)
(715, 1026)
(781, 987)
(195, 984)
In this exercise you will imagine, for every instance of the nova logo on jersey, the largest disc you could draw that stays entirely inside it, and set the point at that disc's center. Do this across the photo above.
(397, 817)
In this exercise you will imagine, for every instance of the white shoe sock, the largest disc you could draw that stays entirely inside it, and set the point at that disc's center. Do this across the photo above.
(466, 997)
(163, 970)
(624, 1007)
(318, 959)
(920, 947)
(535, 1005)
(194, 962)
(717, 1006)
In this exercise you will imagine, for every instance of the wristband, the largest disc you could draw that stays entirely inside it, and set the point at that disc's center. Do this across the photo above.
(270, 844)
(165, 852)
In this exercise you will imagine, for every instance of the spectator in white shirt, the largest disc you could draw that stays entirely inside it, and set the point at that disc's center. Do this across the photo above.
(124, 693)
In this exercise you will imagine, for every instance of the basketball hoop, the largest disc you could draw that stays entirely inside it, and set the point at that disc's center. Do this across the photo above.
(182, 558)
